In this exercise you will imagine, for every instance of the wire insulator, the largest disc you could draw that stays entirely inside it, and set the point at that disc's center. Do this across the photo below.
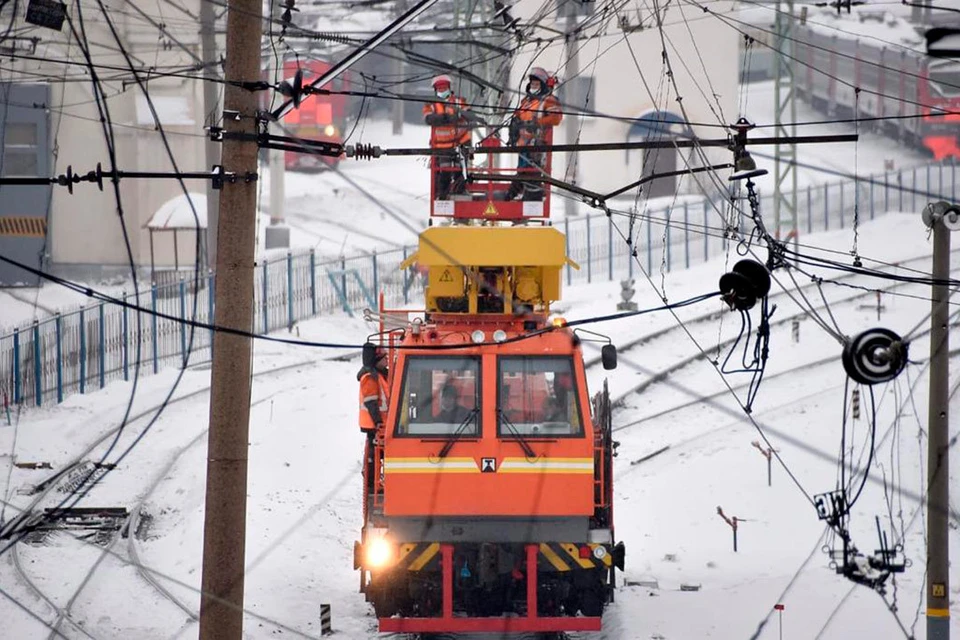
(363, 151)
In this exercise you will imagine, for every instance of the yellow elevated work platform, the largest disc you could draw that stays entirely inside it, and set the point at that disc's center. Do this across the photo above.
(491, 269)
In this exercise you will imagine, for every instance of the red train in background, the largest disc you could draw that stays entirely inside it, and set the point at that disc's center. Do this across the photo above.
(319, 117)
(900, 84)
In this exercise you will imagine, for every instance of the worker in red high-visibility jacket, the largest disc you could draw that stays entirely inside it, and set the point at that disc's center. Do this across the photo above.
(450, 128)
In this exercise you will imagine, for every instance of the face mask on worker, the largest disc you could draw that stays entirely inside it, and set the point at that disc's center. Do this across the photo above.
(443, 94)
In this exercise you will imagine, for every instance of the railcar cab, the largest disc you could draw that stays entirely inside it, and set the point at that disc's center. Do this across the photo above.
(480, 184)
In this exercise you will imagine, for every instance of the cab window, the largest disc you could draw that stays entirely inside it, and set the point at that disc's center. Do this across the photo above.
(440, 397)
(537, 396)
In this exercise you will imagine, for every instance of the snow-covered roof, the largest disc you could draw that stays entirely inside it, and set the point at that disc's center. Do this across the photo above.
(176, 213)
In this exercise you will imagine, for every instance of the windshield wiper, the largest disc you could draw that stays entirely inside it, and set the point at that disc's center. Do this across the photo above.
(452, 440)
(516, 432)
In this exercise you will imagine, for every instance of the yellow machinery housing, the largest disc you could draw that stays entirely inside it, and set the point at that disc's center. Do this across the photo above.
(501, 270)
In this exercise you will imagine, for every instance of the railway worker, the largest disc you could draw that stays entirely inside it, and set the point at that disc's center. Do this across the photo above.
(374, 394)
(450, 128)
(538, 112)
(451, 411)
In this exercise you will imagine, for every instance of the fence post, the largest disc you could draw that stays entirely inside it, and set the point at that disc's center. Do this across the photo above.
(17, 377)
(153, 322)
(59, 360)
(913, 191)
(289, 289)
(102, 349)
(211, 283)
(183, 324)
(900, 190)
(953, 178)
(589, 252)
(649, 246)
(886, 192)
(406, 279)
(927, 188)
(343, 282)
(871, 197)
(809, 208)
(83, 350)
(666, 242)
(840, 184)
(566, 233)
(686, 236)
(313, 281)
(826, 206)
(610, 245)
(266, 291)
(376, 277)
(37, 366)
(125, 349)
(706, 234)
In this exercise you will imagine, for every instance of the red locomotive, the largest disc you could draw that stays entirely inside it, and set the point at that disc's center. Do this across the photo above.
(319, 117)
(488, 488)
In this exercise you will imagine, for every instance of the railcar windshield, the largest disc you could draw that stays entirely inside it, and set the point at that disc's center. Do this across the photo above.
(537, 396)
(440, 397)
(945, 78)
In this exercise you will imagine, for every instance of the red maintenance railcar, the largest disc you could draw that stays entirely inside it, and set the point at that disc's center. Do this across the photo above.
(488, 486)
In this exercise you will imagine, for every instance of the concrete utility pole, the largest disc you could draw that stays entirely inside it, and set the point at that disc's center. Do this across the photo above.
(941, 218)
(224, 530)
(211, 94)
(398, 69)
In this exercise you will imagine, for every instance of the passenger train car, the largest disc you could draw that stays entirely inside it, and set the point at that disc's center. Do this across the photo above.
(488, 490)
(884, 56)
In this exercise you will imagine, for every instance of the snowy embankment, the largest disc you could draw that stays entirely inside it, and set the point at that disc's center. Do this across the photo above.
(304, 498)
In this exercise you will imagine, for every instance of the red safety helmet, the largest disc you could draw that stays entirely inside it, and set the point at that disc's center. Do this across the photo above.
(441, 80)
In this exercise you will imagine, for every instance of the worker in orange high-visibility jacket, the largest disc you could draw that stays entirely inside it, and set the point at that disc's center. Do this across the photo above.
(538, 112)
(450, 128)
(374, 403)
(374, 394)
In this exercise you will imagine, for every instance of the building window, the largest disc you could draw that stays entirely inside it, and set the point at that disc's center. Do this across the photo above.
(20, 149)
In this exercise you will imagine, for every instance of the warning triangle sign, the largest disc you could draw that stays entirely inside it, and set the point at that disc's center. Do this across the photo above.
(446, 276)
(490, 210)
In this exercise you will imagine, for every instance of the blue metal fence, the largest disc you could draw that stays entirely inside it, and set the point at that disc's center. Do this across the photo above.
(87, 348)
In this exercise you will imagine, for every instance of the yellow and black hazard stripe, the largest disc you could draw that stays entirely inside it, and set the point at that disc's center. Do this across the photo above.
(419, 556)
(28, 226)
(565, 556)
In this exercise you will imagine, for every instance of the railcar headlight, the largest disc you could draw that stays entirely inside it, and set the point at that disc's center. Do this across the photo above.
(330, 130)
(379, 553)
(478, 336)
(499, 335)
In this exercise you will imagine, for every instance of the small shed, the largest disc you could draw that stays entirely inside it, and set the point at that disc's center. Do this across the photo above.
(183, 214)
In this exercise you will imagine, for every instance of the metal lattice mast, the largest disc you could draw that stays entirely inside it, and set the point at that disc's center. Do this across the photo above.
(785, 115)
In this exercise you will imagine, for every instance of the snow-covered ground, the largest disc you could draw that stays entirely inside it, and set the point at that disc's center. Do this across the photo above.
(304, 485)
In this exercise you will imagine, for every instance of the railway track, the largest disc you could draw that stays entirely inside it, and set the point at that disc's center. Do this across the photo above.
(774, 298)
(62, 615)
(655, 376)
